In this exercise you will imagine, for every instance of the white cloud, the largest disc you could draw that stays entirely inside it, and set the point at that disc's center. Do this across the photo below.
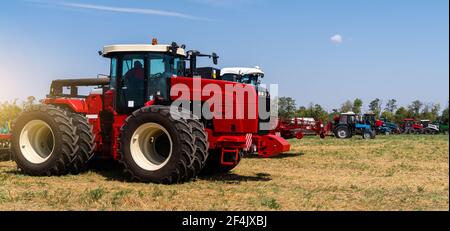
(337, 38)
(131, 10)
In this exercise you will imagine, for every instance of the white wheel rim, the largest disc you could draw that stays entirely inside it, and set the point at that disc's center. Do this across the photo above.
(37, 141)
(342, 134)
(144, 144)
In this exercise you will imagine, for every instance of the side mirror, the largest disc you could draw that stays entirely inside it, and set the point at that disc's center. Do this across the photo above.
(215, 58)
(174, 48)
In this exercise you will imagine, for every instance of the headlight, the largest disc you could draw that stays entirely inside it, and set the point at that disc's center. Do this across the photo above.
(262, 93)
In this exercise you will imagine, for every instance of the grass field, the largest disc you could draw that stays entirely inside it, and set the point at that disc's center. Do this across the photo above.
(388, 173)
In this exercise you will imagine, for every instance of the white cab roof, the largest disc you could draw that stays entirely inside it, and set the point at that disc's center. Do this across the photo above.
(140, 48)
(348, 113)
(241, 71)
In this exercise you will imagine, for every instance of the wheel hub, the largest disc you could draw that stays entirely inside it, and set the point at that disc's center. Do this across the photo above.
(151, 146)
(37, 141)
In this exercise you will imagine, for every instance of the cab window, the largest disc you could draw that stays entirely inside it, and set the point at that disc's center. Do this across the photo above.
(113, 73)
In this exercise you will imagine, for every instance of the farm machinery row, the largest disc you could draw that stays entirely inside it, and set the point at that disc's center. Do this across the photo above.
(143, 115)
(411, 126)
(346, 125)
(343, 126)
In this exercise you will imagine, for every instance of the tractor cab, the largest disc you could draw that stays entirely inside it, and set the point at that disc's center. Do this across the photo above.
(243, 75)
(408, 122)
(141, 73)
(347, 118)
(425, 123)
(369, 118)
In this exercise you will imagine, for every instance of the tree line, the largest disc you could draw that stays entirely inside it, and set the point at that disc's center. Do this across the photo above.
(287, 108)
(10, 110)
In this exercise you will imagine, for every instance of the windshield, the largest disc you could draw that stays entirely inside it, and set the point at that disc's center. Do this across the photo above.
(252, 79)
(165, 65)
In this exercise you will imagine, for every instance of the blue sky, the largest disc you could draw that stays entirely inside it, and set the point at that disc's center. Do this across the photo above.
(321, 51)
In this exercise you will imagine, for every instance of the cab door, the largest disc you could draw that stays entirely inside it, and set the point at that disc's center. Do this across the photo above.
(161, 69)
(132, 85)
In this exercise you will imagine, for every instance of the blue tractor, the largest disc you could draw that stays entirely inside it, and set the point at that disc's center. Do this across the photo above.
(381, 126)
(349, 124)
(393, 128)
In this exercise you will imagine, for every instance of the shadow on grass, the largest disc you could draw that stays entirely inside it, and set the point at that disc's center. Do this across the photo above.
(231, 178)
(109, 169)
(112, 171)
(280, 156)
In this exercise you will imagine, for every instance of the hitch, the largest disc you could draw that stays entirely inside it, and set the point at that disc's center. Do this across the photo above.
(229, 152)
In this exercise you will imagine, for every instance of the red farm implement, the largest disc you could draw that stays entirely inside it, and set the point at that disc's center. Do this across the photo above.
(299, 127)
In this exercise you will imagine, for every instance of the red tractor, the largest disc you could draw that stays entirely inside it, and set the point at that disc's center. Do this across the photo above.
(132, 117)
(410, 126)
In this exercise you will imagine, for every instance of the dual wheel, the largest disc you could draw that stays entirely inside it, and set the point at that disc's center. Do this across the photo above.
(47, 140)
(163, 146)
(155, 144)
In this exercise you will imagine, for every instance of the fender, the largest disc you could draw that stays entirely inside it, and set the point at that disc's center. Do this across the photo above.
(77, 105)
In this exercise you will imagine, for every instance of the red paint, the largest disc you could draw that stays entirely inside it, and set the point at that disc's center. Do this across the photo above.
(76, 105)
(244, 124)
(150, 103)
(270, 145)
(228, 134)
(5, 136)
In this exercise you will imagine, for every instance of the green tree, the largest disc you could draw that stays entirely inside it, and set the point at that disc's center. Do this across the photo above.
(388, 115)
(346, 106)
(415, 108)
(391, 105)
(8, 112)
(357, 105)
(444, 116)
(435, 111)
(286, 107)
(30, 101)
(375, 106)
(314, 111)
(401, 114)
(430, 111)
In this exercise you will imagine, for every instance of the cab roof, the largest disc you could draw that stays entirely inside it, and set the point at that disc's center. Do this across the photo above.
(241, 71)
(107, 50)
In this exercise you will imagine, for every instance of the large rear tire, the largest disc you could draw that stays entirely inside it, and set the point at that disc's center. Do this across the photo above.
(156, 146)
(44, 141)
(201, 149)
(85, 143)
(367, 135)
(342, 132)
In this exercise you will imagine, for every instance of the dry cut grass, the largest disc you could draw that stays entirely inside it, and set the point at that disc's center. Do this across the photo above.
(388, 173)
